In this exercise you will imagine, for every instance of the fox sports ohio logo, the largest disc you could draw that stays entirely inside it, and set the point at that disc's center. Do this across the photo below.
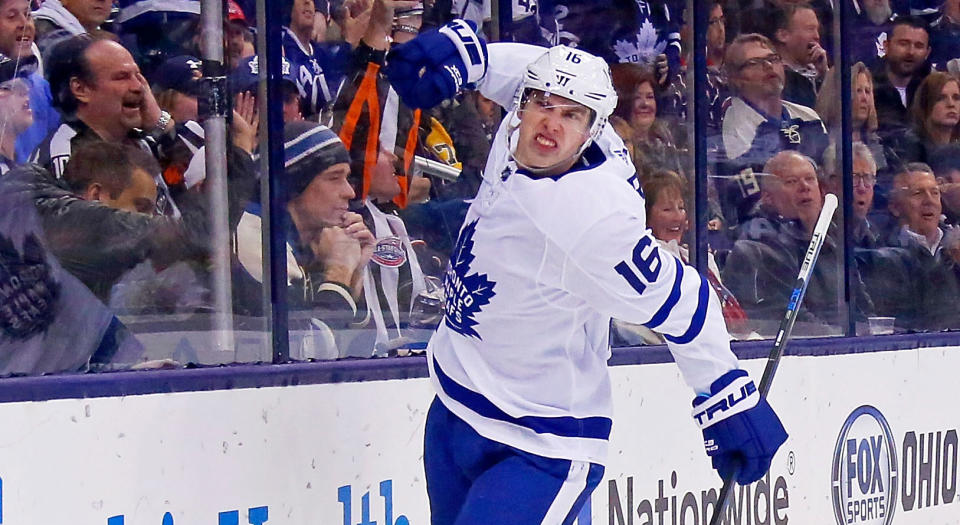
(865, 470)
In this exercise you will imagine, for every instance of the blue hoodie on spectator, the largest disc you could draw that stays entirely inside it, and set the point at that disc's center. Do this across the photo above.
(45, 117)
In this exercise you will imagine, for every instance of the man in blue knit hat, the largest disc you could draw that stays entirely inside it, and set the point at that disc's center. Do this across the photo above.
(327, 245)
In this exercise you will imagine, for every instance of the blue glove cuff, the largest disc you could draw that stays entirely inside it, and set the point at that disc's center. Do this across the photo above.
(437, 64)
(741, 433)
(470, 47)
(731, 394)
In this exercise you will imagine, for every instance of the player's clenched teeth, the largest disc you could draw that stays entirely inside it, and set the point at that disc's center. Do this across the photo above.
(544, 141)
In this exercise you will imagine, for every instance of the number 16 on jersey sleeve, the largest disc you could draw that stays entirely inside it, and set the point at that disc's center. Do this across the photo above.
(645, 261)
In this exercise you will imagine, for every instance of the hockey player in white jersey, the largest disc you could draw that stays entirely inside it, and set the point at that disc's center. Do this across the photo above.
(554, 245)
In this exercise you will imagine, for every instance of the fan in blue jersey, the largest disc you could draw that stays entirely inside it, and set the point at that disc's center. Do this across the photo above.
(638, 31)
(319, 68)
(555, 245)
(871, 27)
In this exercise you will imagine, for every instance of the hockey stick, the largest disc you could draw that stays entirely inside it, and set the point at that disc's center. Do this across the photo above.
(786, 326)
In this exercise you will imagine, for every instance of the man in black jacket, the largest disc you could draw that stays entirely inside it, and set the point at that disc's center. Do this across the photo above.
(797, 37)
(101, 219)
(762, 268)
(897, 76)
(102, 96)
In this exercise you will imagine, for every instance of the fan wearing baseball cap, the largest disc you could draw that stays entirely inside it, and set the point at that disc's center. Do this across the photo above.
(236, 36)
(244, 79)
(177, 87)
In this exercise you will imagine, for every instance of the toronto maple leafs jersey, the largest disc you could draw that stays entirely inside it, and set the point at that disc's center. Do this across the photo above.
(748, 139)
(657, 31)
(540, 267)
(318, 68)
(645, 30)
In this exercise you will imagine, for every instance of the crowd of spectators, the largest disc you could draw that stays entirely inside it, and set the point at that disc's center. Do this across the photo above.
(101, 105)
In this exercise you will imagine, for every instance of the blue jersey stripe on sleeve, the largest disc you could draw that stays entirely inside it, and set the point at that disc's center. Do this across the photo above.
(696, 324)
(674, 297)
(589, 427)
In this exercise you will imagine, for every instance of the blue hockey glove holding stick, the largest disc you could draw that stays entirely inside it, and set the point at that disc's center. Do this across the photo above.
(740, 431)
(437, 64)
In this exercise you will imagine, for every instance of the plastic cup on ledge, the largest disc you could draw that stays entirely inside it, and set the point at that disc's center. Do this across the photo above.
(881, 325)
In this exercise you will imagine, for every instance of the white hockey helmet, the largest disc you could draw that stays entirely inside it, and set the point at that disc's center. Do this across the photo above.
(577, 75)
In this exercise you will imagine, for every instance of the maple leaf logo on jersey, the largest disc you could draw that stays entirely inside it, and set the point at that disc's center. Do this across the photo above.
(644, 49)
(28, 293)
(465, 293)
(881, 44)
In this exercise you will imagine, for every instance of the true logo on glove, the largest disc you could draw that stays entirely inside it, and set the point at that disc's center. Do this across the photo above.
(730, 402)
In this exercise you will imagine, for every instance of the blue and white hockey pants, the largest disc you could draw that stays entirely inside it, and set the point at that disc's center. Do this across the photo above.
(472, 480)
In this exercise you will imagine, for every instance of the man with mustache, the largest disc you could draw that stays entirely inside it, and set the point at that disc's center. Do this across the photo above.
(102, 96)
(897, 76)
(871, 27)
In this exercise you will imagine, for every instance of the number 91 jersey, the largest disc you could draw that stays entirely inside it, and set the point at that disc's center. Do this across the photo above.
(540, 267)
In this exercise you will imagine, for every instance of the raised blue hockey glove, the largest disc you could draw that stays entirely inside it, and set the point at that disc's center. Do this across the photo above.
(740, 431)
(435, 65)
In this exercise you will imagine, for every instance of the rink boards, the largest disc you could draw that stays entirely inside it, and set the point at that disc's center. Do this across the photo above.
(873, 440)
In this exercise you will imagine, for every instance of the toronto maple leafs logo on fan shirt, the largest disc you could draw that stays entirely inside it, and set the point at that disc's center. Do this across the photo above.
(466, 293)
(28, 293)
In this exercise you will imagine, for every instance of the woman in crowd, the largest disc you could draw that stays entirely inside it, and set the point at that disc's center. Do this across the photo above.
(863, 126)
(864, 111)
(935, 113)
(653, 144)
(666, 209)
